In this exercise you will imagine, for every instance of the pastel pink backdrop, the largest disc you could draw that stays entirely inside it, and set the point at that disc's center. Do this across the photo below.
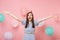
(40, 8)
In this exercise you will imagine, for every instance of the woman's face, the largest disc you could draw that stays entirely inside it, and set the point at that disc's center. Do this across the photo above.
(29, 16)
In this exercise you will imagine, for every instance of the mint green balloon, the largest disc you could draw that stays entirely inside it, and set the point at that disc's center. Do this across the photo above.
(49, 31)
(2, 17)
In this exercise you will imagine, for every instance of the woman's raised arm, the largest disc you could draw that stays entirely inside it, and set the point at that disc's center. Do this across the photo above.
(17, 18)
(46, 18)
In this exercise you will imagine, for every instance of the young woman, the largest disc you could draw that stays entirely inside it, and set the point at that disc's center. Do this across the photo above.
(29, 23)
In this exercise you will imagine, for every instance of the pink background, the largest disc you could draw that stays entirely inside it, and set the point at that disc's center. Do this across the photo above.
(40, 8)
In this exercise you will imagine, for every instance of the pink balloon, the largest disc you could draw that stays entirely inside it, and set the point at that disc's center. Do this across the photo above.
(25, 11)
(14, 23)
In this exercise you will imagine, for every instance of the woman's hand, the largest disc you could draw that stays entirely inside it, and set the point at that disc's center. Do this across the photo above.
(6, 12)
(55, 16)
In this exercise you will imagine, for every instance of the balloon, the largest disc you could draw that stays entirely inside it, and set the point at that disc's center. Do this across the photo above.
(1, 17)
(49, 31)
(8, 36)
(41, 24)
(24, 11)
(14, 23)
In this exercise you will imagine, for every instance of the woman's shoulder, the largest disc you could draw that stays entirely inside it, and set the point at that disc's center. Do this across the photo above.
(35, 22)
(23, 21)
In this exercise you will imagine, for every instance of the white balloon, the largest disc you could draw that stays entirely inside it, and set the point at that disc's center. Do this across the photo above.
(14, 23)
(8, 36)
(41, 24)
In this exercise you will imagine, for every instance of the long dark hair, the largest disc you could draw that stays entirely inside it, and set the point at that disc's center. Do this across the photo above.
(27, 21)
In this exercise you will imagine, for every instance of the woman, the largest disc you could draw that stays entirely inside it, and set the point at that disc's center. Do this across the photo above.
(29, 23)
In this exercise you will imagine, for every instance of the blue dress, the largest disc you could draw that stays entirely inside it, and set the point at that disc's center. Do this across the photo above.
(29, 31)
